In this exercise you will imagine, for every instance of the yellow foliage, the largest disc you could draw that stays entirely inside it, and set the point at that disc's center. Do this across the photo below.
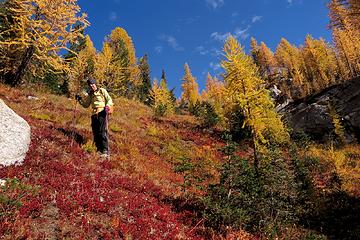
(320, 61)
(40, 116)
(338, 128)
(125, 72)
(347, 163)
(214, 93)
(289, 59)
(89, 147)
(161, 98)
(345, 19)
(115, 128)
(190, 88)
(40, 29)
(245, 89)
(82, 66)
(153, 131)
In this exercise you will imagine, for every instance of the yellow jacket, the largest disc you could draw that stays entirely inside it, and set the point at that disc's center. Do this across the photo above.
(98, 100)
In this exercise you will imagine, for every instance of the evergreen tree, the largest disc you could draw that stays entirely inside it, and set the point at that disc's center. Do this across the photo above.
(163, 75)
(145, 87)
(246, 90)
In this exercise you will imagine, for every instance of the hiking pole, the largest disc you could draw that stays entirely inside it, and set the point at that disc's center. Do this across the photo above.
(108, 133)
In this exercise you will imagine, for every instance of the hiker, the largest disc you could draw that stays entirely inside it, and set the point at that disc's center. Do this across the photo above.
(101, 104)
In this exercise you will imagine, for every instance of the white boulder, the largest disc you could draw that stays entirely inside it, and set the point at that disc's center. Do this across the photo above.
(14, 136)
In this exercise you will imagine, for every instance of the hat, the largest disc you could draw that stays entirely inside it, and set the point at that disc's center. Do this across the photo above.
(91, 81)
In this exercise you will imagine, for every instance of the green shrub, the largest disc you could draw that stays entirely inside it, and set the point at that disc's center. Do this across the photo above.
(12, 195)
(264, 201)
(193, 172)
(235, 120)
(206, 114)
(160, 110)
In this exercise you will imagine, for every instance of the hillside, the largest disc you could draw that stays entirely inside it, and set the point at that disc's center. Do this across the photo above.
(154, 182)
(77, 194)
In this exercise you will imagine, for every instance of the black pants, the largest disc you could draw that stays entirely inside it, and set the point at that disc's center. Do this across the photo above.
(100, 131)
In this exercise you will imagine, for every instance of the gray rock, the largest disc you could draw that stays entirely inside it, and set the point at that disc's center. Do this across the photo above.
(312, 115)
(14, 136)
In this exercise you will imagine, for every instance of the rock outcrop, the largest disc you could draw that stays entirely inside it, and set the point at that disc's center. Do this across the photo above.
(315, 115)
(14, 136)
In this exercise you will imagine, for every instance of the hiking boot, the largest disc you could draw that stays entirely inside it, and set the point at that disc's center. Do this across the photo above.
(104, 155)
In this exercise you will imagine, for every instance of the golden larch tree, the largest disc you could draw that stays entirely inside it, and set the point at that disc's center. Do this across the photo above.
(37, 31)
(320, 62)
(267, 61)
(255, 51)
(107, 72)
(214, 94)
(344, 21)
(82, 67)
(161, 98)
(247, 91)
(123, 52)
(190, 89)
(291, 65)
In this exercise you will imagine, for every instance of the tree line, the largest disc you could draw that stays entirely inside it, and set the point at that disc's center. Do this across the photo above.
(45, 40)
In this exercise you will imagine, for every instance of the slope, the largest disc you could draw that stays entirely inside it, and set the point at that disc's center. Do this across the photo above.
(63, 190)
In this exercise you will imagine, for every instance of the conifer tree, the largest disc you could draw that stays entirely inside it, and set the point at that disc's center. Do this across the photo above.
(38, 30)
(214, 94)
(291, 63)
(344, 20)
(83, 66)
(263, 57)
(76, 45)
(246, 90)
(161, 98)
(254, 50)
(320, 61)
(121, 45)
(106, 71)
(190, 94)
(267, 60)
(145, 87)
(163, 75)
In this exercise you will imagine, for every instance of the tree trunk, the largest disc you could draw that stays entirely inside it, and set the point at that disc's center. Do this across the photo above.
(17, 77)
(256, 158)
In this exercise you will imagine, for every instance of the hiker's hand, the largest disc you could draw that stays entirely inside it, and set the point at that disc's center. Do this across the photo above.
(77, 97)
(107, 109)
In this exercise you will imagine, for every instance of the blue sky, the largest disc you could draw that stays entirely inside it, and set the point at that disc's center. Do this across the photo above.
(173, 32)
